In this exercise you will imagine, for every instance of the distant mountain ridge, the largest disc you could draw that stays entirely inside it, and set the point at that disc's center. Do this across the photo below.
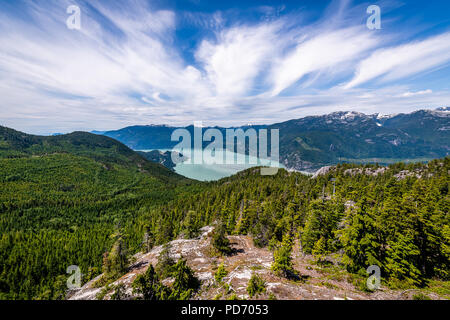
(315, 141)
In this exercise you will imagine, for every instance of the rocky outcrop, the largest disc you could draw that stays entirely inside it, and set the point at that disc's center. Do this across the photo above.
(322, 171)
(416, 173)
(315, 283)
(366, 171)
(376, 171)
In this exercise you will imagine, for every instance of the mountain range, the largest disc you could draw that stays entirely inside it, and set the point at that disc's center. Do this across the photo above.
(316, 141)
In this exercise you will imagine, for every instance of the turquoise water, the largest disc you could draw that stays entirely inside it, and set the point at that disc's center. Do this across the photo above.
(210, 171)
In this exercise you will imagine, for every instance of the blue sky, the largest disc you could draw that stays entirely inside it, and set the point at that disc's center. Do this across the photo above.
(222, 62)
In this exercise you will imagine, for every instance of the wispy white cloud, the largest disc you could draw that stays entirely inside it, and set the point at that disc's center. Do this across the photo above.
(402, 61)
(236, 58)
(321, 52)
(417, 93)
(125, 66)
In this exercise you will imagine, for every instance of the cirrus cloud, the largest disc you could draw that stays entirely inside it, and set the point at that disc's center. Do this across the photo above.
(135, 63)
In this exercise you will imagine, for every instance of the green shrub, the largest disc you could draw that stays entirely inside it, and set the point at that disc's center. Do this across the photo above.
(272, 296)
(421, 296)
(103, 292)
(220, 273)
(256, 285)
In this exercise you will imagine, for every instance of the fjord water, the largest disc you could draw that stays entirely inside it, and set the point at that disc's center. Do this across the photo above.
(209, 171)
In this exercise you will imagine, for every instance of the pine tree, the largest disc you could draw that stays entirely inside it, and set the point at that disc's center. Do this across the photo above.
(282, 264)
(185, 283)
(116, 261)
(321, 221)
(256, 285)
(165, 264)
(190, 225)
(147, 243)
(219, 240)
(400, 260)
(148, 285)
(319, 251)
(119, 292)
(359, 240)
(443, 268)
(243, 224)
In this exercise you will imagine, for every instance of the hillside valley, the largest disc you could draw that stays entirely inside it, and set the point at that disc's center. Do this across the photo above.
(88, 200)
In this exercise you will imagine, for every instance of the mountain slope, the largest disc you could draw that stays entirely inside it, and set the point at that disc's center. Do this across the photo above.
(164, 158)
(61, 208)
(144, 137)
(355, 137)
(61, 199)
(312, 142)
(320, 282)
(99, 148)
(324, 230)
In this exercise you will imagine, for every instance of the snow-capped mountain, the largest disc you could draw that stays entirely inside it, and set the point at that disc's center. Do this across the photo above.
(312, 142)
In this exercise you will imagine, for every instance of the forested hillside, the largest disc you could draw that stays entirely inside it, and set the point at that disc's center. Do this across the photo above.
(61, 198)
(14, 144)
(396, 218)
(164, 158)
(72, 200)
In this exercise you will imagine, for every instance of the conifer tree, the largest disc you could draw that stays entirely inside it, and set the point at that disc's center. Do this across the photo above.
(185, 283)
(359, 240)
(119, 292)
(400, 260)
(147, 242)
(243, 224)
(219, 239)
(256, 285)
(282, 264)
(148, 285)
(319, 251)
(220, 273)
(190, 225)
(116, 261)
(165, 264)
